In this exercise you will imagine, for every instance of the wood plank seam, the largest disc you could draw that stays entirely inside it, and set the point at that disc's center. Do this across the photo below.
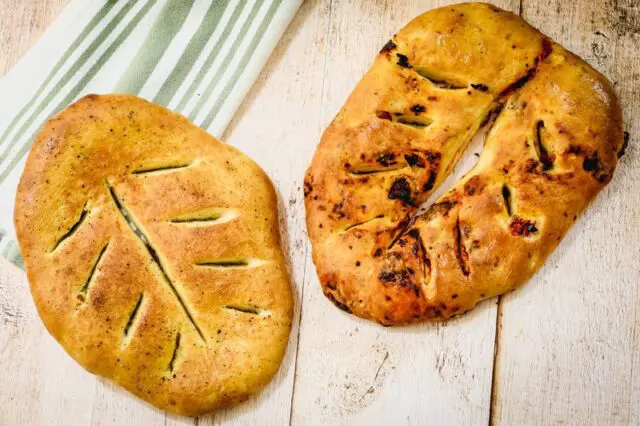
(493, 400)
(306, 252)
(494, 393)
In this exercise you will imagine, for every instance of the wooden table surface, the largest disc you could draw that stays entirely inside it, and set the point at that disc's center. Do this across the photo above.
(564, 349)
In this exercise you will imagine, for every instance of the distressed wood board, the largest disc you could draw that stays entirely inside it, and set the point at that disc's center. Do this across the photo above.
(563, 349)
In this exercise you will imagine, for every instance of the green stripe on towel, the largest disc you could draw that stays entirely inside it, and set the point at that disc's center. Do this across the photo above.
(242, 65)
(164, 29)
(191, 53)
(204, 96)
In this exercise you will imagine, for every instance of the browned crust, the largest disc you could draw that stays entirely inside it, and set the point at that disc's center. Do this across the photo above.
(185, 337)
(552, 148)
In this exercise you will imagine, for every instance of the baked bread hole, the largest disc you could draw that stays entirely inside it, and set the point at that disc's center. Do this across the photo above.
(438, 81)
(136, 229)
(461, 250)
(210, 216)
(249, 310)
(174, 354)
(426, 262)
(354, 225)
(131, 322)
(410, 120)
(94, 268)
(160, 169)
(506, 198)
(545, 158)
(393, 161)
(443, 83)
(72, 229)
(233, 263)
(370, 169)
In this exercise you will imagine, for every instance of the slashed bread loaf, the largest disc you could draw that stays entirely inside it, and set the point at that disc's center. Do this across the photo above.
(553, 144)
(153, 254)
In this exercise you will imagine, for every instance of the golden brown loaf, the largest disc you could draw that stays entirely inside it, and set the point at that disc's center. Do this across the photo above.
(153, 255)
(553, 145)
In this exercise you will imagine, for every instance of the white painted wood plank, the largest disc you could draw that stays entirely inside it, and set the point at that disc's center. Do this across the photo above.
(354, 372)
(568, 351)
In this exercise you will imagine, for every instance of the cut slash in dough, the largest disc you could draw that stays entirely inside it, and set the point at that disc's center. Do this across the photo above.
(120, 204)
(552, 147)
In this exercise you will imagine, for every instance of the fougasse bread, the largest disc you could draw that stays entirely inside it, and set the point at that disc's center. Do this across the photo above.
(553, 145)
(153, 254)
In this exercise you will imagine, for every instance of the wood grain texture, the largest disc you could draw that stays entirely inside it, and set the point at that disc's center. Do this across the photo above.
(21, 24)
(570, 337)
(567, 349)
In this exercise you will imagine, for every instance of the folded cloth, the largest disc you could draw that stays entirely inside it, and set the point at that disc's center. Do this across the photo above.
(197, 57)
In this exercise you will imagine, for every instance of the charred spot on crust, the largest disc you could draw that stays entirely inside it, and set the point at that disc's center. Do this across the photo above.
(339, 304)
(522, 227)
(388, 159)
(307, 188)
(591, 163)
(473, 186)
(389, 46)
(547, 48)
(624, 146)
(442, 208)
(401, 190)
(428, 186)
(378, 252)
(575, 149)
(384, 115)
(388, 276)
(530, 165)
(337, 209)
(418, 109)
(480, 87)
(401, 278)
(433, 157)
(414, 160)
(403, 60)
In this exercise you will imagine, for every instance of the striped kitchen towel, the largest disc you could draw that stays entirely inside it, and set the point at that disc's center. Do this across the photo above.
(197, 57)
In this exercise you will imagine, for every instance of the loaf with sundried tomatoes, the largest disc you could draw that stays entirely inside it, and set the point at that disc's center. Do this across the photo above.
(553, 144)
